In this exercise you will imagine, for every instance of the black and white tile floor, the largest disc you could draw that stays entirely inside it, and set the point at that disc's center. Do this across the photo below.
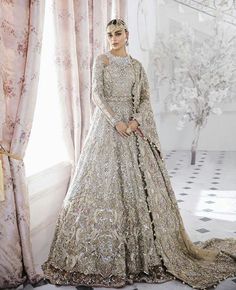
(206, 194)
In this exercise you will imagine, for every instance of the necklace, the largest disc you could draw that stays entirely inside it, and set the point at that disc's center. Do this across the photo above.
(120, 60)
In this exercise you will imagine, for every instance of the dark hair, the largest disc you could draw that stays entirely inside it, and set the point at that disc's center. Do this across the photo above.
(117, 21)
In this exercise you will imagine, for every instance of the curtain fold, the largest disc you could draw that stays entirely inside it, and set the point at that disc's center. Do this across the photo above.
(20, 46)
(80, 35)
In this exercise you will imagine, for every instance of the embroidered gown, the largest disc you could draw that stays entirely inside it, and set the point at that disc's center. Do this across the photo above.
(120, 221)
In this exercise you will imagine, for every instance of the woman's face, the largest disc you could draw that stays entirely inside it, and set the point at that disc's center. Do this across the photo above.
(117, 38)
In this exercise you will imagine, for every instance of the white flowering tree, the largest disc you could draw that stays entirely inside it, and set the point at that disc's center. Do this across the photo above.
(200, 75)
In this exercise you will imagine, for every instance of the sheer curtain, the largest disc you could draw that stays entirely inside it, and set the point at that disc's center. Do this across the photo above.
(20, 38)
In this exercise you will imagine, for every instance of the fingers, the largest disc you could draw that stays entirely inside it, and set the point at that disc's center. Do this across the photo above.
(123, 133)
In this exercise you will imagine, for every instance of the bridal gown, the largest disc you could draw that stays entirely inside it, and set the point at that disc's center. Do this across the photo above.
(120, 222)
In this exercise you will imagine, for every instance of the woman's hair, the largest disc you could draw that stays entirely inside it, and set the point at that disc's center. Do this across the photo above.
(117, 22)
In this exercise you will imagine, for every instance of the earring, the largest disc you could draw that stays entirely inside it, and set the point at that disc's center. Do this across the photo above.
(127, 43)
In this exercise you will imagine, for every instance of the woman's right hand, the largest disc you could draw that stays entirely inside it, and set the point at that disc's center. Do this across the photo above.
(121, 128)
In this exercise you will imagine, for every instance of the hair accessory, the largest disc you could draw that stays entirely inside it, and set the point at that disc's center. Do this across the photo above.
(116, 24)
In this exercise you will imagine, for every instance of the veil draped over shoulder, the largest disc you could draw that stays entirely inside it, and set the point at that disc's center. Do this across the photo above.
(217, 254)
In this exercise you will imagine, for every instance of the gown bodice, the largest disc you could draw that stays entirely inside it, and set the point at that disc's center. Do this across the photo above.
(118, 77)
(112, 86)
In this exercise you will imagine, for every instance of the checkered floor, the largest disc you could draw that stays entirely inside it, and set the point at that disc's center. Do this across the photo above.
(206, 194)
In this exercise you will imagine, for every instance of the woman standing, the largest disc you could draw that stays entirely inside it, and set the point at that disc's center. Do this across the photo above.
(120, 222)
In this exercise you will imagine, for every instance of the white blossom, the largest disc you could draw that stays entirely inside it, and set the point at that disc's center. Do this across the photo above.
(200, 75)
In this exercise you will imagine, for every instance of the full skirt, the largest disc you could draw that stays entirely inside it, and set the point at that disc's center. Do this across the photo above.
(120, 221)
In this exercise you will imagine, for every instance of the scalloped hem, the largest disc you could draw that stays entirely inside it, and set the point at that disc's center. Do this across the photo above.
(60, 277)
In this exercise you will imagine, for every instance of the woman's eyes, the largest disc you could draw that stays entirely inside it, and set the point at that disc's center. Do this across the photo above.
(115, 34)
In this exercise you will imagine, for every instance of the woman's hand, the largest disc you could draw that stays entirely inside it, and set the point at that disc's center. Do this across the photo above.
(133, 125)
(121, 127)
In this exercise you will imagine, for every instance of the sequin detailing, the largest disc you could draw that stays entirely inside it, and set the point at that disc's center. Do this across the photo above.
(120, 221)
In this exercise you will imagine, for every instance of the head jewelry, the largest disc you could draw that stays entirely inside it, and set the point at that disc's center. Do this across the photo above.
(116, 24)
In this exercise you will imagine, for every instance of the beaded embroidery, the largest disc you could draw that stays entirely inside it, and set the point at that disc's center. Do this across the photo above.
(120, 221)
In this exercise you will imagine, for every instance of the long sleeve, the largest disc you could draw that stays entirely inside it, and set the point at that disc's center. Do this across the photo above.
(145, 105)
(98, 91)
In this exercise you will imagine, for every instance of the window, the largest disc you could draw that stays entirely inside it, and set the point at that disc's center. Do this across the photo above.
(46, 146)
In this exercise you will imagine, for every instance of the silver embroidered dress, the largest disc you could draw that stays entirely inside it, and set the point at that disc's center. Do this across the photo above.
(120, 222)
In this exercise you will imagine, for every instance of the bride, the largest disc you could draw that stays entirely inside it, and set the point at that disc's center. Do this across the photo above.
(120, 222)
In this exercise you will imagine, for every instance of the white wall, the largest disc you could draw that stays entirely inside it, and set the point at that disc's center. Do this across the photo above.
(146, 18)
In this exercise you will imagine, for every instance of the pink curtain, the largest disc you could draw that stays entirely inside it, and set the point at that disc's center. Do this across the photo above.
(80, 35)
(21, 24)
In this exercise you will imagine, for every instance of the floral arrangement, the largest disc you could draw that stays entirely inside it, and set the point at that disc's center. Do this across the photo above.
(200, 75)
